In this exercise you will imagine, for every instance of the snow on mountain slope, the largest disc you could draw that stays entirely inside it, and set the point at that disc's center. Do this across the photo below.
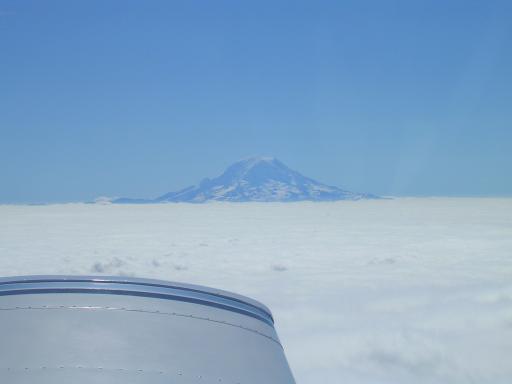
(257, 179)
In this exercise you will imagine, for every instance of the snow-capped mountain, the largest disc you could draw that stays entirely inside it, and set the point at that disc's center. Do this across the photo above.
(256, 179)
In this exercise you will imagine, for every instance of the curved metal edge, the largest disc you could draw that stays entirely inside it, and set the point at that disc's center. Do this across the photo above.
(133, 282)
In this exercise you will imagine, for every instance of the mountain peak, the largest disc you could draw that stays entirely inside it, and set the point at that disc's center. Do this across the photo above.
(257, 159)
(251, 162)
(266, 167)
(263, 178)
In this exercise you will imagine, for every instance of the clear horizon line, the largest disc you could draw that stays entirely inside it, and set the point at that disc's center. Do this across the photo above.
(383, 197)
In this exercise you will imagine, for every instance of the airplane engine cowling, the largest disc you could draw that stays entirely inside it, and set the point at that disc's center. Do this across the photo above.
(86, 329)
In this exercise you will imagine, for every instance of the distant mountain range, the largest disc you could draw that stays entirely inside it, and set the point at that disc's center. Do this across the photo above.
(264, 179)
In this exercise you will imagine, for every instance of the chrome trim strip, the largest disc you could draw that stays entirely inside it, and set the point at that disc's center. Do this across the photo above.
(135, 287)
(138, 281)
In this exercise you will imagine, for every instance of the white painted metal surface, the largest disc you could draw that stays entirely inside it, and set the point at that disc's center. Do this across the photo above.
(115, 330)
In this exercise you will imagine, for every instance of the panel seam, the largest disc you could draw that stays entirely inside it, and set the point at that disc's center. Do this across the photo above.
(136, 310)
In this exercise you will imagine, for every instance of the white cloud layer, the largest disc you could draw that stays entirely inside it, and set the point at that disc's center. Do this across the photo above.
(392, 291)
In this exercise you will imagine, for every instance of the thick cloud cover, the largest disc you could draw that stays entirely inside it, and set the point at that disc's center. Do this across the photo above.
(389, 291)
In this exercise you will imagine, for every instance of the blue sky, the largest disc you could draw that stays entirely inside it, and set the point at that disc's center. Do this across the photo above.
(137, 98)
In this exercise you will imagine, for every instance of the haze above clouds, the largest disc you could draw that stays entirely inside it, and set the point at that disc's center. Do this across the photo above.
(124, 98)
